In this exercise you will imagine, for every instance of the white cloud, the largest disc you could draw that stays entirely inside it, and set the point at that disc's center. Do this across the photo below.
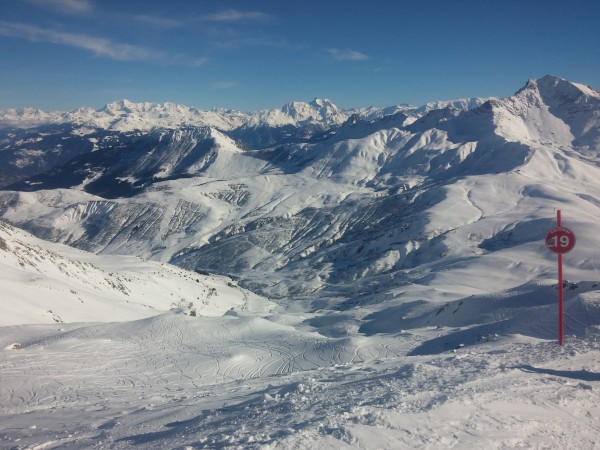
(233, 15)
(66, 6)
(347, 55)
(224, 85)
(97, 45)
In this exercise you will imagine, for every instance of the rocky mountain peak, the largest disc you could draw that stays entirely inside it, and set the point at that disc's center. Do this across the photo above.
(552, 89)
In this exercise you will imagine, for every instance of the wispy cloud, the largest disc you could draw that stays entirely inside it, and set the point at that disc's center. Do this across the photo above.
(224, 85)
(347, 55)
(65, 6)
(197, 62)
(159, 22)
(97, 45)
(233, 15)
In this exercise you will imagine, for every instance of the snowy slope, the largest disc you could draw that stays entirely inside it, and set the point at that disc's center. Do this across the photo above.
(254, 381)
(48, 283)
(483, 371)
(412, 301)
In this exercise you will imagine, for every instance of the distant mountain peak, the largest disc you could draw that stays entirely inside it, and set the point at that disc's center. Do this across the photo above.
(317, 111)
(119, 105)
(550, 86)
(323, 103)
(549, 110)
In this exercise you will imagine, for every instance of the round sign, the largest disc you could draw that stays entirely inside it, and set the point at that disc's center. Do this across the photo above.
(560, 240)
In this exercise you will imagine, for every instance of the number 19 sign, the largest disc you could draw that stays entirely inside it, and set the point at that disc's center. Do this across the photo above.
(560, 240)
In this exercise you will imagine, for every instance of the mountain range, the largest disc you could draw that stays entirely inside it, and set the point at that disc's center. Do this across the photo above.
(36, 141)
(360, 205)
(309, 276)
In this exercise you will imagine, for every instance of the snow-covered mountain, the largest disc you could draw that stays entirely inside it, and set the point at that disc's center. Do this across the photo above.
(412, 301)
(552, 111)
(124, 116)
(121, 164)
(129, 116)
(363, 206)
(33, 141)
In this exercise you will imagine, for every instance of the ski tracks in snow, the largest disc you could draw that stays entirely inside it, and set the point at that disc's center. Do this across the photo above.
(169, 353)
(241, 380)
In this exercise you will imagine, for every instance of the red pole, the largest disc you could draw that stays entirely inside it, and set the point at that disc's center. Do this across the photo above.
(561, 297)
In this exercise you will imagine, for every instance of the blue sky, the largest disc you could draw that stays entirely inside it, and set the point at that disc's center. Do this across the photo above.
(248, 55)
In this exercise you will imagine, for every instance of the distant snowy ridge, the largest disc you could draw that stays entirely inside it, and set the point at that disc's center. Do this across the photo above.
(124, 115)
(33, 142)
